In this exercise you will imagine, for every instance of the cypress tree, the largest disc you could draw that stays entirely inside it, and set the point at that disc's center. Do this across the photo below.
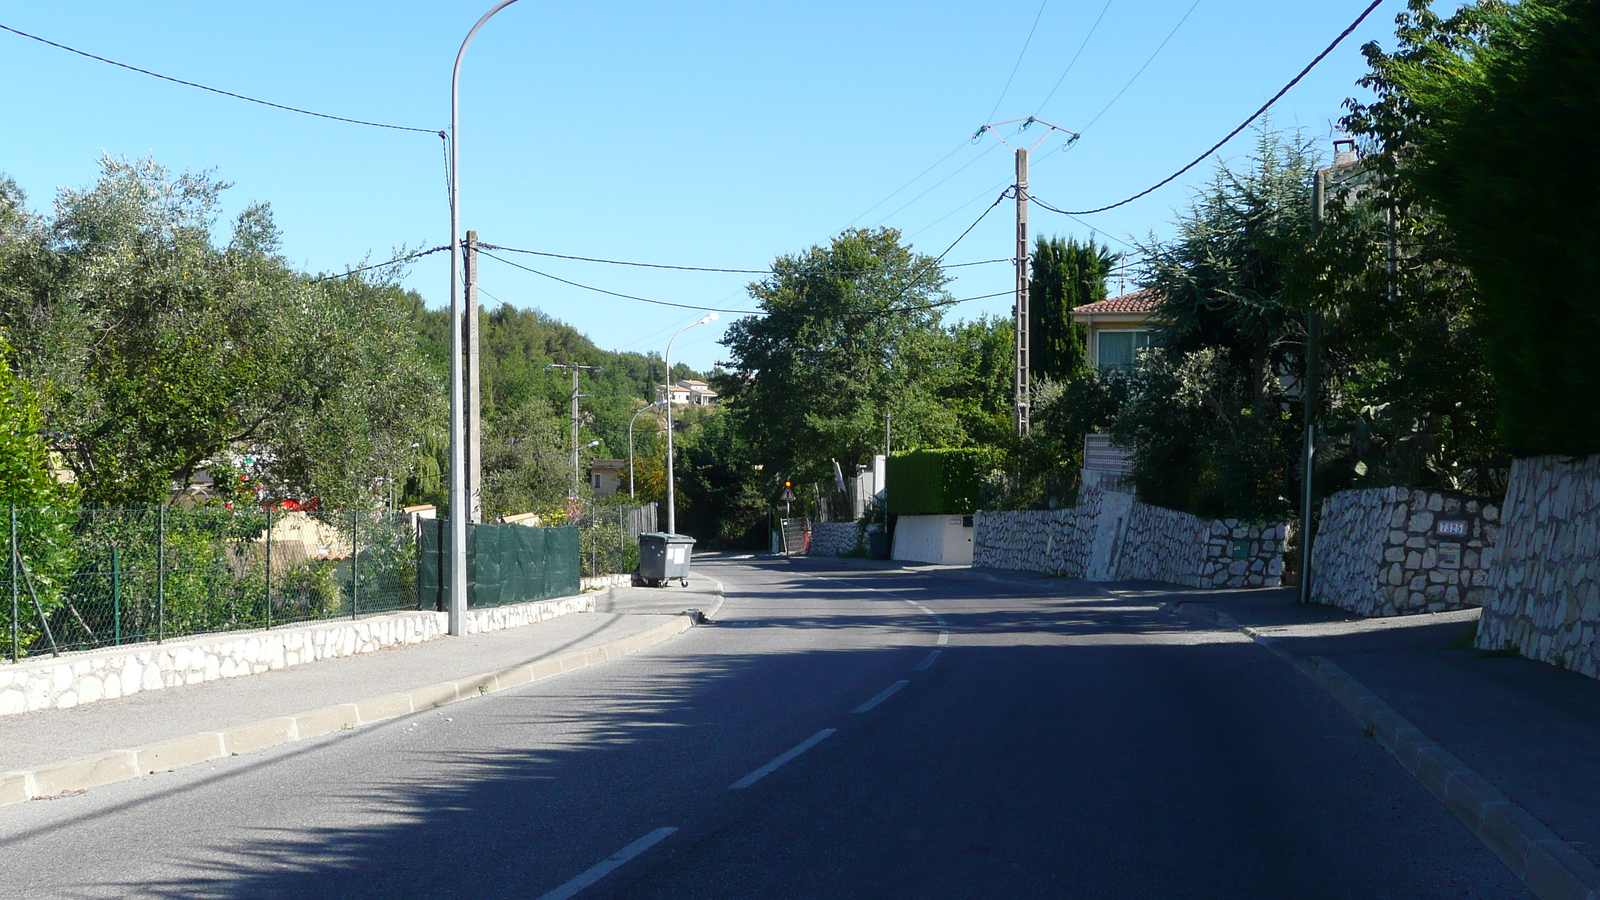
(1065, 274)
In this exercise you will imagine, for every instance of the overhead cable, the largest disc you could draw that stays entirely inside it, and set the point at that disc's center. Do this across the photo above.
(588, 287)
(398, 259)
(1230, 135)
(645, 265)
(293, 109)
(918, 276)
(1072, 62)
(620, 262)
(1018, 63)
(1146, 65)
(936, 185)
(896, 191)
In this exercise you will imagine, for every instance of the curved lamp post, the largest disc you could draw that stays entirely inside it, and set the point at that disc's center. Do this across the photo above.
(672, 518)
(630, 442)
(458, 472)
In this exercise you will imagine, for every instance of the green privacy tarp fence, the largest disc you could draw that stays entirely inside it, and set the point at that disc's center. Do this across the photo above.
(505, 564)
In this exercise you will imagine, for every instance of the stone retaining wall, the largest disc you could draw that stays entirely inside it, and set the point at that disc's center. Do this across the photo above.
(1055, 541)
(1380, 552)
(1138, 541)
(1544, 587)
(835, 538)
(61, 682)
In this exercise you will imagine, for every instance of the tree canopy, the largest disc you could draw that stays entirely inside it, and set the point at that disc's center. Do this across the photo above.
(1498, 108)
(845, 337)
(154, 350)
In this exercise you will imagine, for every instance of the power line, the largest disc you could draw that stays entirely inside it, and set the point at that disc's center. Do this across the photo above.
(1146, 65)
(293, 109)
(398, 259)
(982, 194)
(645, 265)
(1075, 56)
(916, 277)
(936, 185)
(1018, 63)
(597, 290)
(896, 191)
(1232, 134)
(746, 312)
(619, 262)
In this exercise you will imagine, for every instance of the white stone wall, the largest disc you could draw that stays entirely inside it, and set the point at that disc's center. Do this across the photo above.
(1377, 552)
(1140, 541)
(1054, 541)
(105, 674)
(1180, 548)
(835, 538)
(1544, 585)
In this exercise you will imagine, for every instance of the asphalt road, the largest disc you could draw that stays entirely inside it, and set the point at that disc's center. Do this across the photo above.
(823, 738)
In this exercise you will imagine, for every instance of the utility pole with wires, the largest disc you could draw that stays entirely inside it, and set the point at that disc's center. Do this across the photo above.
(471, 379)
(576, 371)
(1023, 376)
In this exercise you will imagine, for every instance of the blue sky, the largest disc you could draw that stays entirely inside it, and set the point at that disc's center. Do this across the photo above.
(698, 133)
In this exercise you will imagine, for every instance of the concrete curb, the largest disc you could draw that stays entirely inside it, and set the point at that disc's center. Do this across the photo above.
(1545, 863)
(111, 766)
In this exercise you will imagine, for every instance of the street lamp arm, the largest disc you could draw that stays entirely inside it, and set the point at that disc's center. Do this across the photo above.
(456, 616)
(630, 442)
(672, 498)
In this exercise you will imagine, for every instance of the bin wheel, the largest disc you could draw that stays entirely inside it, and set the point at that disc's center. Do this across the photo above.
(683, 582)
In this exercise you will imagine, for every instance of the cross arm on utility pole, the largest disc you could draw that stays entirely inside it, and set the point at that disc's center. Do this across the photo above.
(1022, 400)
(577, 370)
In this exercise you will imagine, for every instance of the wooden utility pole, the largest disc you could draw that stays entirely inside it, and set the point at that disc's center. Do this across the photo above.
(471, 378)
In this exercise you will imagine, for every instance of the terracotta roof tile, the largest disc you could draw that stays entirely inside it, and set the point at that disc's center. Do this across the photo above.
(1141, 301)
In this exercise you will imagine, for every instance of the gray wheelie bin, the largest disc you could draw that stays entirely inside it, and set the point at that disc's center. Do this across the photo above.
(663, 558)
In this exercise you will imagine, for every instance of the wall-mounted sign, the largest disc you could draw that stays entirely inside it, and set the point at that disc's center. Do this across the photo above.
(1239, 549)
(1449, 555)
(1451, 528)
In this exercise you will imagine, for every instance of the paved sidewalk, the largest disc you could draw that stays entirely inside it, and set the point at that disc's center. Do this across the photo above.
(34, 739)
(1530, 729)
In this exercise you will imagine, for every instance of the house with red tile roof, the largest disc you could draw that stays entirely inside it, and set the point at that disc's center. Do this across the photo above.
(1118, 328)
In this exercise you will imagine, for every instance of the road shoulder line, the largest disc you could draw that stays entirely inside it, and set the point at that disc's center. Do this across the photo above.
(124, 764)
(1546, 864)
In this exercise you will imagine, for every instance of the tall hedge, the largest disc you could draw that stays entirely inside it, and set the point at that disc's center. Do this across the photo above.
(1507, 141)
(939, 482)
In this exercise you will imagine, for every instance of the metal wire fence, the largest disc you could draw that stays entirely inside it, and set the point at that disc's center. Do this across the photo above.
(80, 579)
(608, 537)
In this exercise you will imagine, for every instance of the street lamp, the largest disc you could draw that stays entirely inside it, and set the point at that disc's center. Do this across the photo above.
(459, 509)
(672, 518)
(630, 442)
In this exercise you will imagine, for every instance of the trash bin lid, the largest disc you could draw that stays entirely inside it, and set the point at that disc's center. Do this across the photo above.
(666, 538)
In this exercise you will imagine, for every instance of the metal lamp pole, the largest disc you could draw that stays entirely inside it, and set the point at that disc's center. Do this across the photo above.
(459, 509)
(630, 443)
(672, 518)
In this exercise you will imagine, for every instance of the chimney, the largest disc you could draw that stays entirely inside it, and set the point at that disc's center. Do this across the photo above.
(1344, 152)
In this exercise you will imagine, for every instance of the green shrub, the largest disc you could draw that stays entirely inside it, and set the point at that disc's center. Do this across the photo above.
(939, 482)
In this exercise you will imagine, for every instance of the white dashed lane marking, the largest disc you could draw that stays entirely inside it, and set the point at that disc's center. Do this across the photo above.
(881, 696)
(608, 865)
(787, 756)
